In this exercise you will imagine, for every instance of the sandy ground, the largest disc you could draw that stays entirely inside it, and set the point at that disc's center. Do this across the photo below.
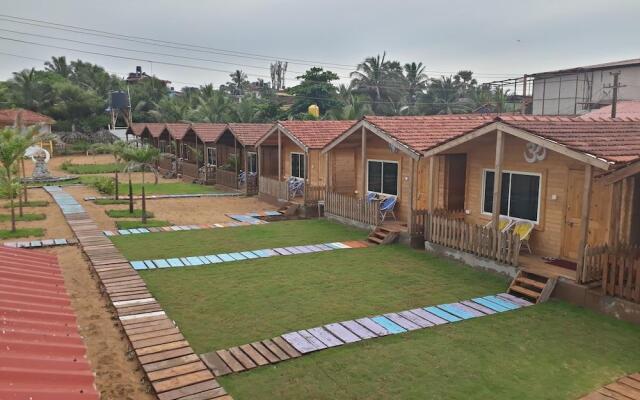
(117, 376)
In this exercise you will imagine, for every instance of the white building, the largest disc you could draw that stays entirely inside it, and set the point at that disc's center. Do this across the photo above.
(576, 91)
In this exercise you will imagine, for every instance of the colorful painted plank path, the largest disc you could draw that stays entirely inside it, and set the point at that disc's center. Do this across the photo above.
(168, 361)
(305, 341)
(168, 196)
(33, 244)
(245, 255)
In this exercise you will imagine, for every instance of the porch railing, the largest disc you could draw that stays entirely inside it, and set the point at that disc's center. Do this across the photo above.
(353, 208)
(189, 170)
(274, 188)
(618, 267)
(418, 218)
(503, 247)
(165, 163)
(252, 184)
(313, 194)
(227, 178)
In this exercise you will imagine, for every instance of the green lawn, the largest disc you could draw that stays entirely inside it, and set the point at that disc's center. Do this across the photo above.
(165, 188)
(81, 169)
(21, 233)
(137, 213)
(139, 224)
(550, 351)
(105, 202)
(24, 217)
(230, 304)
(31, 203)
(222, 240)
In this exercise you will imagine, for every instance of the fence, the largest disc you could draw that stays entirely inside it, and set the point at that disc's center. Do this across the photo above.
(189, 170)
(252, 185)
(618, 267)
(355, 209)
(313, 194)
(227, 178)
(503, 247)
(274, 188)
(418, 218)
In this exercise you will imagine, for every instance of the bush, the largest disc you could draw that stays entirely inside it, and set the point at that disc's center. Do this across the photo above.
(103, 184)
(25, 217)
(127, 214)
(139, 224)
(21, 233)
(83, 169)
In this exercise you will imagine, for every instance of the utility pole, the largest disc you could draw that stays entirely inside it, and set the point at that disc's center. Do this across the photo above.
(614, 96)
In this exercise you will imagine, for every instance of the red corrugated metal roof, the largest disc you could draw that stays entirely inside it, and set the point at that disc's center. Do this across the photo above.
(316, 134)
(8, 117)
(248, 134)
(177, 130)
(42, 355)
(208, 132)
(424, 132)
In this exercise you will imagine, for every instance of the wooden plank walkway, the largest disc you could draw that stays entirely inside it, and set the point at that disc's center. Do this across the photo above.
(172, 368)
(245, 255)
(36, 244)
(625, 388)
(295, 344)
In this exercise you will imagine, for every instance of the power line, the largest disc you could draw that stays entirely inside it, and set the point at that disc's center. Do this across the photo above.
(178, 45)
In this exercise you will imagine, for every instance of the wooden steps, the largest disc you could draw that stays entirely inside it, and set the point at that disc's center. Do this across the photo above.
(382, 235)
(532, 286)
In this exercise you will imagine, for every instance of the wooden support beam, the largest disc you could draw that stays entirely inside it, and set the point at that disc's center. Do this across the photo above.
(584, 220)
(431, 183)
(497, 180)
(616, 212)
(279, 155)
(326, 169)
(412, 177)
(364, 163)
(306, 176)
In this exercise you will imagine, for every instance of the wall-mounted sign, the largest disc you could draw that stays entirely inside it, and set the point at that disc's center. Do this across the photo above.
(534, 153)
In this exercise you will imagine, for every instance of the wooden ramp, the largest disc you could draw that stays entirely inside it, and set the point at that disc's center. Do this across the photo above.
(626, 388)
(172, 368)
(532, 286)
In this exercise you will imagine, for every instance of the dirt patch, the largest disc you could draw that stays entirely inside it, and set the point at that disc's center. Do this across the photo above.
(117, 376)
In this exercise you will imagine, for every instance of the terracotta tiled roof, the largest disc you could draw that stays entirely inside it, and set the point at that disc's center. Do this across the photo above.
(424, 132)
(615, 140)
(316, 134)
(624, 109)
(155, 129)
(136, 129)
(177, 130)
(8, 117)
(248, 134)
(43, 355)
(208, 132)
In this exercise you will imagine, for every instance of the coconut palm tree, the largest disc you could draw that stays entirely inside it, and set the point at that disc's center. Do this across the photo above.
(59, 66)
(447, 96)
(416, 80)
(24, 87)
(378, 78)
(14, 141)
(215, 108)
(142, 159)
(355, 107)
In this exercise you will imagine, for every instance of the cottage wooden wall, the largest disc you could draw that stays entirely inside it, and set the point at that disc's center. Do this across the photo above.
(548, 237)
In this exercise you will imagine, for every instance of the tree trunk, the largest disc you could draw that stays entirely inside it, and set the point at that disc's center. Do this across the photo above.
(13, 211)
(144, 202)
(24, 175)
(117, 189)
(21, 213)
(130, 195)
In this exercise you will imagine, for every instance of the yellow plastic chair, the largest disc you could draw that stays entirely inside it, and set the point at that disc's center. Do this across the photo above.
(523, 229)
(504, 224)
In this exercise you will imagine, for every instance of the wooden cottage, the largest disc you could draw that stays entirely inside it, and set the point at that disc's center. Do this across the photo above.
(150, 134)
(168, 141)
(197, 150)
(291, 166)
(134, 130)
(381, 157)
(569, 177)
(237, 155)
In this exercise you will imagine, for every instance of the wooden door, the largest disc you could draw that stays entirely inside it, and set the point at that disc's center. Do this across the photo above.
(598, 216)
(344, 170)
(456, 176)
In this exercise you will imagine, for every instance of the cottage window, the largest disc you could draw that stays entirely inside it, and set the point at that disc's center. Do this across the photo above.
(252, 162)
(297, 165)
(382, 177)
(211, 156)
(162, 146)
(520, 196)
(185, 151)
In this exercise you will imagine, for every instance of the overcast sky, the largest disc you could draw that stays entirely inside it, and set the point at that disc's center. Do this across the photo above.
(496, 39)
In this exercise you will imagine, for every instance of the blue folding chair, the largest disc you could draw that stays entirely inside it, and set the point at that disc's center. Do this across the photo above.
(371, 196)
(386, 207)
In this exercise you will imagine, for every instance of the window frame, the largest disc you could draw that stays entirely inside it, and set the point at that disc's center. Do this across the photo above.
(249, 155)
(382, 177)
(185, 152)
(303, 158)
(511, 172)
(215, 152)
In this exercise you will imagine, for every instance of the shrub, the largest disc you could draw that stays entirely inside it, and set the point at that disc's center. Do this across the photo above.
(103, 184)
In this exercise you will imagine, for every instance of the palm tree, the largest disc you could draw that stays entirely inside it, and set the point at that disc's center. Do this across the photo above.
(238, 82)
(378, 78)
(142, 158)
(24, 84)
(171, 109)
(13, 143)
(215, 108)
(355, 107)
(59, 66)
(447, 96)
(416, 81)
